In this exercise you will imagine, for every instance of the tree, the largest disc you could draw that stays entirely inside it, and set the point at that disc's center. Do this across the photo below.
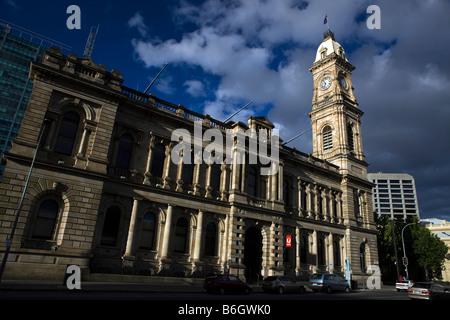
(430, 252)
(425, 251)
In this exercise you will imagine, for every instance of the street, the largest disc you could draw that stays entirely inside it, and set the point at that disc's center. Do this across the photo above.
(181, 301)
(193, 293)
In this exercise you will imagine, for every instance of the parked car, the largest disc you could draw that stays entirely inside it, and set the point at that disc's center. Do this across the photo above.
(226, 283)
(281, 284)
(403, 285)
(428, 291)
(328, 282)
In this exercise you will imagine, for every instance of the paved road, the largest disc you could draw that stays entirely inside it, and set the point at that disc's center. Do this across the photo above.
(123, 291)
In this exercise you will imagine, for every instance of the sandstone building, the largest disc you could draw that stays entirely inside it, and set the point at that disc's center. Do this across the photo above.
(105, 195)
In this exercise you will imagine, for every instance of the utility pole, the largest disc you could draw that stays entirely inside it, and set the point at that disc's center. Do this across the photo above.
(395, 248)
(405, 259)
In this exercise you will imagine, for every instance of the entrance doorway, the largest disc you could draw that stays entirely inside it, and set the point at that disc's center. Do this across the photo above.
(253, 254)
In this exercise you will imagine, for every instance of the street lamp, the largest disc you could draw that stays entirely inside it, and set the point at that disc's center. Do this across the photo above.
(16, 220)
(405, 259)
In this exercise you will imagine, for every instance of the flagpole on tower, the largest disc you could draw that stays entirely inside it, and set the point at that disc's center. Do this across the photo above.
(325, 21)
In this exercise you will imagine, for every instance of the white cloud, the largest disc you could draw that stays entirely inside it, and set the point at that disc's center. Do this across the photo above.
(137, 21)
(164, 85)
(195, 88)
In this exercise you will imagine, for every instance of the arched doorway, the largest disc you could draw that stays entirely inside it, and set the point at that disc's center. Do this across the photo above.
(253, 254)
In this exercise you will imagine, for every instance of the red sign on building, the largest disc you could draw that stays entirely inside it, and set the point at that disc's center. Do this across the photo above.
(288, 241)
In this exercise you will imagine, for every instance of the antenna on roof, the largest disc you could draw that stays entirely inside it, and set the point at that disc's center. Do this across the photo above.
(157, 76)
(300, 134)
(237, 111)
(90, 42)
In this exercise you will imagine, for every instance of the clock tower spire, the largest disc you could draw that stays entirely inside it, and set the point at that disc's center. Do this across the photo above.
(335, 115)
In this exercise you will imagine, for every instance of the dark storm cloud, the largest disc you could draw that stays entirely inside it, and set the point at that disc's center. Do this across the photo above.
(261, 50)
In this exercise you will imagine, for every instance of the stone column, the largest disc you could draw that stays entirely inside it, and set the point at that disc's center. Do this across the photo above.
(309, 205)
(51, 133)
(297, 250)
(331, 251)
(315, 250)
(131, 229)
(166, 236)
(166, 170)
(198, 236)
(148, 166)
(280, 182)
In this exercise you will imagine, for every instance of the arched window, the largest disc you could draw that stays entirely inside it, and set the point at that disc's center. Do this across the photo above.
(304, 198)
(44, 225)
(337, 254)
(210, 239)
(148, 231)
(286, 192)
(181, 236)
(320, 252)
(351, 144)
(327, 138)
(362, 251)
(124, 153)
(214, 180)
(303, 249)
(159, 155)
(67, 133)
(188, 171)
(251, 182)
(111, 227)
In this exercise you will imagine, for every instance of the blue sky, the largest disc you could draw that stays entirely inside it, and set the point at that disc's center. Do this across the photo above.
(223, 54)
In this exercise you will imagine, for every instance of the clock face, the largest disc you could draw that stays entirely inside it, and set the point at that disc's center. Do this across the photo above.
(343, 83)
(325, 84)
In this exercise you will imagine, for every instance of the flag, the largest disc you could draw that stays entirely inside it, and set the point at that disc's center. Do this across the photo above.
(325, 21)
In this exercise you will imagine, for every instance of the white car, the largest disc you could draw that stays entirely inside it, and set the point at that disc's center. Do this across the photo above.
(403, 285)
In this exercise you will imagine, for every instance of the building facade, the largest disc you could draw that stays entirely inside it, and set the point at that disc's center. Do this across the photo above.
(106, 194)
(394, 194)
(442, 229)
(18, 47)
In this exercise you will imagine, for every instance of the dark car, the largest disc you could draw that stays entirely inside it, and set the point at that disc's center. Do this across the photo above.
(428, 291)
(328, 282)
(226, 283)
(281, 284)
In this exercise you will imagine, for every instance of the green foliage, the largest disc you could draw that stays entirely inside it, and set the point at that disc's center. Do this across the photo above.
(425, 251)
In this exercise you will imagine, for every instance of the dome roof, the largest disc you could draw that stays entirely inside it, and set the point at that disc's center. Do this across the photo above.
(329, 46)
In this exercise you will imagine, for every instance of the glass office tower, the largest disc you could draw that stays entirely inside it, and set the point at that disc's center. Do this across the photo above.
(18, 47)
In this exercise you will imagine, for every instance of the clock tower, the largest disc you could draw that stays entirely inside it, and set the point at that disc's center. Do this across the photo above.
(335, 115)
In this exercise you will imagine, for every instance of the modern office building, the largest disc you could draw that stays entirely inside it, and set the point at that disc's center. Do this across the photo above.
(18, 47)
(394, 194)
(107, 194)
